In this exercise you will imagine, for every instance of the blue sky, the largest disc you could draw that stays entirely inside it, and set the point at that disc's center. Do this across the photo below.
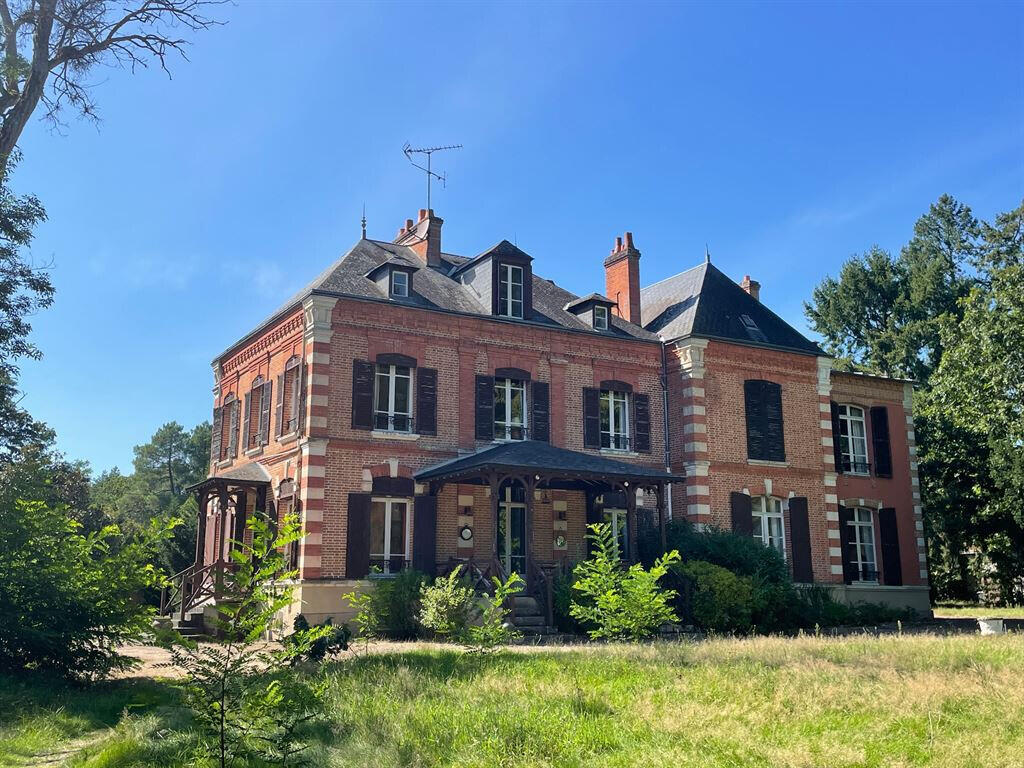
(786, 137)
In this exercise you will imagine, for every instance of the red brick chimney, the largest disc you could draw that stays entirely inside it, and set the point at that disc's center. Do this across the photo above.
(752, 287)
(424, 237)
(622, 278)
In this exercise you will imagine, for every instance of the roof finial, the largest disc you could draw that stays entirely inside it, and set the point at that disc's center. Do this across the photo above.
(364, 221)
(707, 254)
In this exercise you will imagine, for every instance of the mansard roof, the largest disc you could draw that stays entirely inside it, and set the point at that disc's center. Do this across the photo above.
(705, 303)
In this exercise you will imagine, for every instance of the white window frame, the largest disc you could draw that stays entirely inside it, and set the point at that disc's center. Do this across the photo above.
(507, 279)
(505, 507)
(387, 554)
(389, 409)
(850, 442)
(863, 521)
(618, 436)
(765, 509)
(395, 274)
(600, 317)
(506, 426)
(618, 516)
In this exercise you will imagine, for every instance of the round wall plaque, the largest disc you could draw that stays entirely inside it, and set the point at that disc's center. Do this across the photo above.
(466, 534)
(560, 541)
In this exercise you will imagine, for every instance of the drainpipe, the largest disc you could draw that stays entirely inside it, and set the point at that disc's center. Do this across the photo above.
(665, 423)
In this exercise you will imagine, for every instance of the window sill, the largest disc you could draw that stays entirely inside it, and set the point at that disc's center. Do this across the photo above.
(254, 451)
(856, 474)
(864, 584)
(224, 463)
(503, 440)
(618, 452)
(289, 437)
(387, 434)
(767, 463)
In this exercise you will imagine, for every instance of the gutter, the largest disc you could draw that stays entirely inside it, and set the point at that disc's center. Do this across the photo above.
(665, 422)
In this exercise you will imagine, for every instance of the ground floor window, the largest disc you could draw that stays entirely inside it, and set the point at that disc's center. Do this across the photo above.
(389, 534)
(512, 528)
(864, 544)
(616, 518)
(768, 525)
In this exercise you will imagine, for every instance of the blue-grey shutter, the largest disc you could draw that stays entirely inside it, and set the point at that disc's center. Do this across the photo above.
(837, 438)
(591, 417)
(880, 441)
(641, 423)
(773, 421)
(357, 554)
(266, 393)
(218, 426)
(426, 401)
(541, 411)
(889, 539)
(362, 394)
(849, 542)
(233, 428)
(753, 399)
(484, 408)
(800, 540)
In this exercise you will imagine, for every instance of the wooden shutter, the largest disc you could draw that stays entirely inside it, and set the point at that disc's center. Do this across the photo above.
(641, 423)
(265, 401)
(484, 408)
(837, 439)
(426, 401)
(591, 417)
(362, 394)
(233, 428)
(303, 384)
(742, 514)
(880, 441)
(357, 555)
(753, 405)
(773, 421)
(424, 534)
(800, 540)
(889, 538)
(848, 539)
(541, 411)
(218, 426)
(246, 426)
(279, 408)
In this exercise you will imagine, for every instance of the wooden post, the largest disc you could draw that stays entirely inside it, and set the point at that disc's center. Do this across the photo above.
(492, 480)
(201, 499)
(631, 525)
(529, 485)
(660, 491)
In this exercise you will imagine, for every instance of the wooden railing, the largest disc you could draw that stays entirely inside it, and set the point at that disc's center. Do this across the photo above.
(541, 584)
(192, 587)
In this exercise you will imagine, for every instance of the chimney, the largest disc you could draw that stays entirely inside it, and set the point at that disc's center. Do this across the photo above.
(622, 278)
(423, 236)
(752, 287)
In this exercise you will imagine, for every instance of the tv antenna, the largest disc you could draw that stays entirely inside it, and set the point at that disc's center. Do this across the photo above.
(428, 151)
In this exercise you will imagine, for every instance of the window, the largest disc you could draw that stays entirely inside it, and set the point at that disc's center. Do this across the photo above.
(399, 283)
(256, 419)
(863, 543)
(616, 518)
(768, 526)
(510, 291)
(614, 420)
(600, 317)
(512, 527)
(509, 409)
(751, 328)
(291, 397)
(853, 441)
(389, 534)
(392, 401)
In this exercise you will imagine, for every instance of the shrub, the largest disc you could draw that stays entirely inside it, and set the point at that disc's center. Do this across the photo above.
(721, 601)
(562, 594)
(494, 629)
(447, 605)
(333, 640)
(617, 603)
(391, 608)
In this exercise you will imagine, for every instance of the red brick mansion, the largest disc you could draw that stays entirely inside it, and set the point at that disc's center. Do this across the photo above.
(418, 409)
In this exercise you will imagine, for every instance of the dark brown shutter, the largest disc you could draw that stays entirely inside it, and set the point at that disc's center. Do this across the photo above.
(800, 540)
(641, 423)
(742, 514)
(357, 555)
(218, 426)
(426, 401)
(889, 538)
(591, 417)
(527, 292)
(753, 405)
(424, 534)
(484, 408)
(880, 441)
(279, 408)
(837, 438)
(245, 421)
(233, 428)
(849, 541)
(265, 401)
(541, 412)
(301, 399)
(773, 421)
(362, 394)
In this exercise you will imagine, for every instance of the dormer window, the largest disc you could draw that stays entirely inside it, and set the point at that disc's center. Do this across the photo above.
(600, 318)
(399, 283)
(510, 296)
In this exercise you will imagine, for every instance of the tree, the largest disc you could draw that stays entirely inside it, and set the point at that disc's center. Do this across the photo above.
(171, 460)
(50, 47)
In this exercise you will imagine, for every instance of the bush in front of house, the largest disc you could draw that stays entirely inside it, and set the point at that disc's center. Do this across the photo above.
(562, 595)
(719, 600)
(447, 606)
(390, 609)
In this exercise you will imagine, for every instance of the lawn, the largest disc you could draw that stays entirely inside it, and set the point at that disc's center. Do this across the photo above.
(966, 611)
(860, 701)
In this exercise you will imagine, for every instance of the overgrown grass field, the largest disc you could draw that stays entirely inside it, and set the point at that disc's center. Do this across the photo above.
(810, 701)
(966, 611)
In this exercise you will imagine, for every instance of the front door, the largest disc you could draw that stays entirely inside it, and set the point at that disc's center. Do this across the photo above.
(512, 529)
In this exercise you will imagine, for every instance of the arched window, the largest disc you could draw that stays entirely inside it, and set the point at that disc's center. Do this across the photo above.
(769, 528)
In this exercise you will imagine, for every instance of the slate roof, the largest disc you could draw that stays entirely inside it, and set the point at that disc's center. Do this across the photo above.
(705, 302)
(251, 473)
(533, 455)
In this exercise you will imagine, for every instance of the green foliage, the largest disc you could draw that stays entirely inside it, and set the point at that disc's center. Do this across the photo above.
(447, 605)
(493, 629)
(721, 600)
(334, 639)
(69, 598)
(243, 695)
(390, 609)
(563, 594)
(616, 603)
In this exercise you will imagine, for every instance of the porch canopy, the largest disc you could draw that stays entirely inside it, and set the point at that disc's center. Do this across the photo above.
(231, 486)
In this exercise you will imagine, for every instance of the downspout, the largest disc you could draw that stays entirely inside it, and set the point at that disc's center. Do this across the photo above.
(665, 423)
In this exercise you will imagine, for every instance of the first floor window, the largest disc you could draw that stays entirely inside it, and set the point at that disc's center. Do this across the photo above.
(616, 519)
(509, 409)
(853, 440)
(510, 291)
(290, 399)
(864, 544)
(614, 420)
(768, 526)
(389, 534)
(392, 408)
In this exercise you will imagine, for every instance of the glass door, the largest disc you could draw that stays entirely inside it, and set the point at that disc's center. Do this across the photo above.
(512, 529)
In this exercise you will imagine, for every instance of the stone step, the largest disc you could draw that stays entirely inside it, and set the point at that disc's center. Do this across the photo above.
(526, 606)
(528, 621)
